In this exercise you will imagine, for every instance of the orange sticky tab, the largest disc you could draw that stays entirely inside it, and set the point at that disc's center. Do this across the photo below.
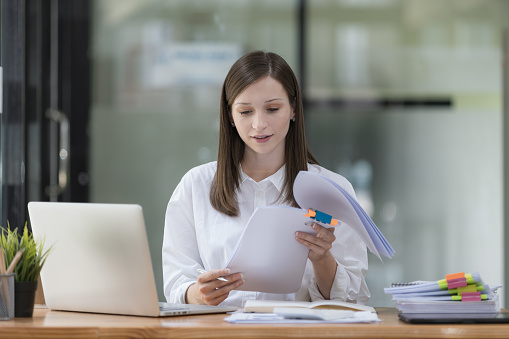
(311, 214)
(333, 222)
(455, 276)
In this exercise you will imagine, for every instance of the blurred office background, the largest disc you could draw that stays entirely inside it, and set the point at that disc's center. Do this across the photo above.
(402, 97)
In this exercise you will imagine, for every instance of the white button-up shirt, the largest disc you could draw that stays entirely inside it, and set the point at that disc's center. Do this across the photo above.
(196, 236)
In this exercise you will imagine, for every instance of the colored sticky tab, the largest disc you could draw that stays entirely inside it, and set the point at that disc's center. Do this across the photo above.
(455, 276)
(468, 288)
(455, 283)
(471, 296)
(442, 284)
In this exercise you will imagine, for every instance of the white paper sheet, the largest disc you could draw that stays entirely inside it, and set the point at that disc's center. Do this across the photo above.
(268, 255)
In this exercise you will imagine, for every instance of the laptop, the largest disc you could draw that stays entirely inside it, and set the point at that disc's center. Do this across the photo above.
(100, 261)
(455, 318)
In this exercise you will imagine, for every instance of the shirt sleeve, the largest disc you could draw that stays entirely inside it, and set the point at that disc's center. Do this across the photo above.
(351, 257)
(180, 254)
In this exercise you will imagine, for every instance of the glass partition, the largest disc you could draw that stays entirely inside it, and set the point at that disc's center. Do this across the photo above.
(406, 102)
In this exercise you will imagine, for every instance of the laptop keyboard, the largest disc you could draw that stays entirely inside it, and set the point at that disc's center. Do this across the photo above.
(172, 307)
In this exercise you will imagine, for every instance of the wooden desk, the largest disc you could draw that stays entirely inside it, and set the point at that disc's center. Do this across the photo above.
(53, 324)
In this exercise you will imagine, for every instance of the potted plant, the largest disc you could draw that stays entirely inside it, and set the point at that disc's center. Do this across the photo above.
(27, 270)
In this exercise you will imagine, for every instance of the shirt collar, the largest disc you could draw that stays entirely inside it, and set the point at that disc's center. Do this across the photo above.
(277, 179)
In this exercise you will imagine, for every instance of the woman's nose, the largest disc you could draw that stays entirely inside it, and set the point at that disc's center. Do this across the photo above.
(259, 121)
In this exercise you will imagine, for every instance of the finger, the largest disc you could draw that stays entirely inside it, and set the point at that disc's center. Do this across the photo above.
(233, 277)
(316, 245)
(207, 287)
(315, 251)
(325, 241)
(216, 296)
(212, 275)
(227, 289)
(324, 232)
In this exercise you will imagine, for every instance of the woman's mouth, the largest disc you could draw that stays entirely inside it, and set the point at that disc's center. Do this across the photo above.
(261, 138)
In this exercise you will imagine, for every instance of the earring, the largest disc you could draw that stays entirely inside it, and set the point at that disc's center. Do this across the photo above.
(233, 124)
(293, 119)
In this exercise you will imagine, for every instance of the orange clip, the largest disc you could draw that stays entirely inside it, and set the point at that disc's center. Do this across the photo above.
(311, 214)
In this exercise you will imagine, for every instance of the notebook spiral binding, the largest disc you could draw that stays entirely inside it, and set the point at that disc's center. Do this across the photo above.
(399, 284)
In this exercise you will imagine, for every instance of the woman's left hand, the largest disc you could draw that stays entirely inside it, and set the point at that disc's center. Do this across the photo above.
(319, 244)
(324, 264)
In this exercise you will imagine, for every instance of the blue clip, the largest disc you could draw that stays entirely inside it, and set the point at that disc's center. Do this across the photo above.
(322, 217)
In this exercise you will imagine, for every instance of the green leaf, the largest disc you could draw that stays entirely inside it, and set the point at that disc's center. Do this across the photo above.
(33, 258)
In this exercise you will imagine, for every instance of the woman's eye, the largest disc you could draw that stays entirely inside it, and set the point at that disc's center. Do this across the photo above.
(273, 109)
(244, 112)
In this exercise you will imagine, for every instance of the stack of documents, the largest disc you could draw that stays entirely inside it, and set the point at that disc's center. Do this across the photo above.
(458, 293)
(289, 316)
(320, 311)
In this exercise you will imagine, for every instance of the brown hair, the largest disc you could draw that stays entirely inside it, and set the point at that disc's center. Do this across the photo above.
(244, 72)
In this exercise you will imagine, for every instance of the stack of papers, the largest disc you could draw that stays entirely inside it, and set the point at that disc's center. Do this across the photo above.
(458, 293)
(320, 311)
(289, 316)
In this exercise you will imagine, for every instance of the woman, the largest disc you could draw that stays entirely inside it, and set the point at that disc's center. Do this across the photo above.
(262, 147)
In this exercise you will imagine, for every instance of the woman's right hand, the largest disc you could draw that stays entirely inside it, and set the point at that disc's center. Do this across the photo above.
(209, 291)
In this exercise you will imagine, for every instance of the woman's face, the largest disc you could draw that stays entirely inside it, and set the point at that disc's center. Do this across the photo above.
(262, 114)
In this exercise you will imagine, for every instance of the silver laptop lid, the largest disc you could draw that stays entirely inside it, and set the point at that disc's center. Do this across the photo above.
(100, 260)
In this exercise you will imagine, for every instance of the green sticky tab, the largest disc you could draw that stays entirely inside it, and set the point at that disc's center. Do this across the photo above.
(469, 278)
(442, 284)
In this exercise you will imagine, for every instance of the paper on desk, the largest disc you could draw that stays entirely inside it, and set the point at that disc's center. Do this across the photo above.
(272, 318)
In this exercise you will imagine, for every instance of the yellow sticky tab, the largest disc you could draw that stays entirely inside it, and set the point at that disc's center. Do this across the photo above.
(468, 288)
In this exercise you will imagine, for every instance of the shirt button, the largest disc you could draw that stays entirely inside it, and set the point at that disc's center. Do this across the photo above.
(260, 194)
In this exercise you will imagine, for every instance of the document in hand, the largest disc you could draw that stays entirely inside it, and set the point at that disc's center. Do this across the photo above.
(267, 253)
